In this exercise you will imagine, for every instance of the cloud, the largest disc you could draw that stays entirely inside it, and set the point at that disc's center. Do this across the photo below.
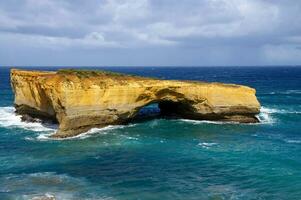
(89, 41)
(255, 27)
(283, 54)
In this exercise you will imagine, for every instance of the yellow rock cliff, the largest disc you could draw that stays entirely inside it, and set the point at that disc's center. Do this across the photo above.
(81, 100)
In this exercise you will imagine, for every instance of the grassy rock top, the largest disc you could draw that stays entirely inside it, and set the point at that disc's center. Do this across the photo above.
(81, 73)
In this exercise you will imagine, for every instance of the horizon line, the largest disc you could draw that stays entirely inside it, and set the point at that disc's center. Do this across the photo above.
(155, 66)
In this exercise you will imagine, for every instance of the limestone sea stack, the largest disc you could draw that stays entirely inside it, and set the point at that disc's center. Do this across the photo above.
(80, 99)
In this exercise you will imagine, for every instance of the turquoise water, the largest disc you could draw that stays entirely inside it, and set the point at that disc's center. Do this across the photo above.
(160, 158)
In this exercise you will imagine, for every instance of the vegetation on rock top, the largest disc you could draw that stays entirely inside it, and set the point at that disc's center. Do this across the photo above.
(91, 73)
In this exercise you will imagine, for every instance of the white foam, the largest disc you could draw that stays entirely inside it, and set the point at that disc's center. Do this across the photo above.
(9, 119)
(46, 196)
(285, 92)
(265, 115)
(293, 141)
(207, 145)
(91, 132)
(268, 110)
(131, 138)
(205, 121)
(292, 92)
(278, 111)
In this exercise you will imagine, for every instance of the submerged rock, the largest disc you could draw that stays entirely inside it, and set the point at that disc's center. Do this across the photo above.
(80, 100)
(28, 118)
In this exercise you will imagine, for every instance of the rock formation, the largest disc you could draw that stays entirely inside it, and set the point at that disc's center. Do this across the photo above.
(81, 100)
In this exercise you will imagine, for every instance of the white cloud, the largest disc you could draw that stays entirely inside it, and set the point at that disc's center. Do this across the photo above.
(132, 24)
(92, 40)
(127, 11)
(216, 18)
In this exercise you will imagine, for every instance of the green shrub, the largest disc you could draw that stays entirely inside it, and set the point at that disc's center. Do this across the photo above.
(90, 73)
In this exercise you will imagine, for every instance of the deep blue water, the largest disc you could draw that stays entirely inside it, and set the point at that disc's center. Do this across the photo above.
(163, 159)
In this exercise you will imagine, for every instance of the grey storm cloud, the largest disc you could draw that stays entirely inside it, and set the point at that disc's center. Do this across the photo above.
(150, 32)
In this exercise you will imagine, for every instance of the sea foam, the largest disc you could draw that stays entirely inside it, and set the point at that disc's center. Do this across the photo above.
(265, 117)
(9, 119)
(207, 145)
(91, 132)
(286, 92)
(205, 121)
(266, 114)
(278, 111)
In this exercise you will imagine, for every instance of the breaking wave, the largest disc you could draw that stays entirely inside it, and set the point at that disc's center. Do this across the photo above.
(9, 119)
(207, 145)
(265, 117)
(278, 111)
(266, 114)
(205, 121)
(286, 92)
(91, 132)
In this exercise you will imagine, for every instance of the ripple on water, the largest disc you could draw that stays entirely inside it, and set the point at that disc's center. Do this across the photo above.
(45, 184)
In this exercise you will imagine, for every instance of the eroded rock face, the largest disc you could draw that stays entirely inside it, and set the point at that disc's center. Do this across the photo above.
(80, 100)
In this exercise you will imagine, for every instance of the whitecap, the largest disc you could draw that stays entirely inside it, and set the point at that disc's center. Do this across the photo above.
(9, 119)
(292, 92)
(293, 141)
(207, 145)
(265, 117)
(278, 111)
(131, 138)
(268, 110)
(266, 114)
(44, 196)
(286, 92)
(205, 121)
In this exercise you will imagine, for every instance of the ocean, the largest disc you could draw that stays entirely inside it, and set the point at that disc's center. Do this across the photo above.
(163, 158)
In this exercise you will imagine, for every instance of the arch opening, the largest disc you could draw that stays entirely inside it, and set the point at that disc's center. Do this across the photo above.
(162, 109)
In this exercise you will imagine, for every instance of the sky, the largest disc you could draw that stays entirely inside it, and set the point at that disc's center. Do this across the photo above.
(150, 32)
